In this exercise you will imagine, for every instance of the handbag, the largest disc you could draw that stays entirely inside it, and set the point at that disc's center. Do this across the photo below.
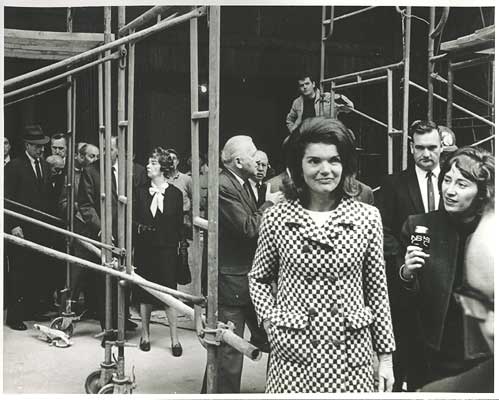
(183, 272)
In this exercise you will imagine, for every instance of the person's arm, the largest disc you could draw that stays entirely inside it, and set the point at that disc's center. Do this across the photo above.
(264, 272)
(376, 298)
(292, 117)
(12, 184)
(410, 260)
(87, 201)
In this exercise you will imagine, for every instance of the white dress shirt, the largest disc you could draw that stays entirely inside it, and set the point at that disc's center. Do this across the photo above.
(32, 161)
(423, 189)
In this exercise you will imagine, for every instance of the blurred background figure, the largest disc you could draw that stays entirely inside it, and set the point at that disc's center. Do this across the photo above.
(6, 150)
(476, 298)
(448, 139)
(59, 145)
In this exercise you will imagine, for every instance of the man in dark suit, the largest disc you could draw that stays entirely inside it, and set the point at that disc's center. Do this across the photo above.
(89, 204)
(257, 186)
(239, 223)
(412, 191)
(26, 182)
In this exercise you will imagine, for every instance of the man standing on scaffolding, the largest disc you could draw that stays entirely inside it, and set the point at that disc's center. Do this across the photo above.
(311, 103)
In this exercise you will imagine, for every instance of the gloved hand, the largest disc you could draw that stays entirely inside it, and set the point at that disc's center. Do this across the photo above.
(385, 373)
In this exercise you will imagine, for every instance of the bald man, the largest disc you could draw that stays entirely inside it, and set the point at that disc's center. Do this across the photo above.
(258, 187)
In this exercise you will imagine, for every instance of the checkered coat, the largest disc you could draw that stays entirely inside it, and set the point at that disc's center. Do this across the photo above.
(331, 310)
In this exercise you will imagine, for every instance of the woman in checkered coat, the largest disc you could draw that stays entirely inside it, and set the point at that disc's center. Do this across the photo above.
(324, 250)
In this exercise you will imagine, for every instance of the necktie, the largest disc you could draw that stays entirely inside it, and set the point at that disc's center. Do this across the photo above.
(431, 193)
(115, 179)
(157, 200)
(247, 186)
(38, 171)
(261, 194)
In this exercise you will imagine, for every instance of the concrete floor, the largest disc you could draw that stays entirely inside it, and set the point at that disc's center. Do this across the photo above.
(30, 365)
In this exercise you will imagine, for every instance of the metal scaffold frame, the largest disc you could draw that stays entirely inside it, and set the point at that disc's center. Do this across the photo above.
(117, 260)
(461, 48)
(371, 76)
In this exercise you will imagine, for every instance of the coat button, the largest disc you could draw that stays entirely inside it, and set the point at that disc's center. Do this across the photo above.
(312, 312)
(338, 342)
(306, 249)
(309, 279)
(334, 310)
(315, 342)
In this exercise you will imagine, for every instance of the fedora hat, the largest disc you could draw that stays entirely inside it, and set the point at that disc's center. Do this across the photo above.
(33, 134)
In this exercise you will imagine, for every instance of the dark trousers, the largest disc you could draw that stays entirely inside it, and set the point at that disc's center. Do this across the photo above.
(101, 299)
(84, 279)
(26, 283)
(230, 361)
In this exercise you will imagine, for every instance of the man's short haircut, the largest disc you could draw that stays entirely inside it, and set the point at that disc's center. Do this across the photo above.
(304, 75)
(58, 136)
(232, 148)
(420, 127)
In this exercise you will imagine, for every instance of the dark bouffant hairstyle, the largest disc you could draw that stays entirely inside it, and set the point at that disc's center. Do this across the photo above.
(321, 130)
(164, 159)
(478, 166)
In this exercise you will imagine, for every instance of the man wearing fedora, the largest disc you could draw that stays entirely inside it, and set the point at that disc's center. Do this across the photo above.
(26, 182)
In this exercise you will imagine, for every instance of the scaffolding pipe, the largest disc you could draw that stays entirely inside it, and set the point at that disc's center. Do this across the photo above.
(323, 49)
(99, 268)
(143, 19)
(430, 63)
(368, 117)
(213, 190)
(483, 140)
(459, 89)
(196, 195)
(434, 32)
(405, 113)
(198, 12)
(107, 173)
(389, 80)
(450, 95)
(129, 183)
(340, 17)
(62, 85)
(63, 75)
(440, 57)
(364, 73)
(457, 106)
(361, 82)
(59, 221)
(471, 63)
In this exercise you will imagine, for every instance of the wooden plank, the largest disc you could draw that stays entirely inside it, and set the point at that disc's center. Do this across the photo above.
(47, 35)
(481, 38)
(47, 45)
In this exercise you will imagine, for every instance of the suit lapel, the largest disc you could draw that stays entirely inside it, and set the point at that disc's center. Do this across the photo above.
(414, 192)
(245, 196)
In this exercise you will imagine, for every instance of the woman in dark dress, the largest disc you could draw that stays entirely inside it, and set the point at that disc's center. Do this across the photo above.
(158, 222)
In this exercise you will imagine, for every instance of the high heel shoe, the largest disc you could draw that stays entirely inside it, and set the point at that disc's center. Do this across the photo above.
(177, 350)
(144, 346)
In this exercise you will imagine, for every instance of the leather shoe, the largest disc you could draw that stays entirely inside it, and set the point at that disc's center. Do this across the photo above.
(177, 350)
(144, 346)
(18, 326)
(130, 325)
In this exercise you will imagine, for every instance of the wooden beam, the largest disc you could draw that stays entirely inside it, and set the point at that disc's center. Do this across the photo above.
(480, 38)
(48, 45)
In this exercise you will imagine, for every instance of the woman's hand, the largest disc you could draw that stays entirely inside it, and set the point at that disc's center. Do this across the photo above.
(385, 373)
(414, 258)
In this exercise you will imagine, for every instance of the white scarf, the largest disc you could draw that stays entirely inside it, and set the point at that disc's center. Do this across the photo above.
(157, 200)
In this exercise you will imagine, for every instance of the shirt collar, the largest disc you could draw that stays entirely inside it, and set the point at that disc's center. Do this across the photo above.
(421, 173)
(31, 159)
(239, 179)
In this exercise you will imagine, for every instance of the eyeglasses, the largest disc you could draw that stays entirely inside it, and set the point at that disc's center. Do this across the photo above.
(474, 303)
